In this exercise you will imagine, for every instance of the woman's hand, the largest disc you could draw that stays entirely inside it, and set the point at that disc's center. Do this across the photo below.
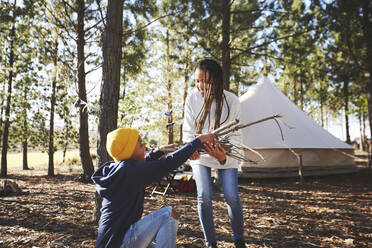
(195, 156)
(216, 151)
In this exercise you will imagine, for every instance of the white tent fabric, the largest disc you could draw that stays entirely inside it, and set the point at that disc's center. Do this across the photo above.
(321, 151)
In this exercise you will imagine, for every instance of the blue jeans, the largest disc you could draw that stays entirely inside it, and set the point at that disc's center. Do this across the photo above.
(158, 226)
(229, 180)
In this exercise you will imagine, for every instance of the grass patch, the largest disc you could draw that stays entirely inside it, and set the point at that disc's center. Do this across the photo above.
(37, 158)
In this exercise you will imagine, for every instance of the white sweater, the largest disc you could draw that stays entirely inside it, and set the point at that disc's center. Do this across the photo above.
(193, 105)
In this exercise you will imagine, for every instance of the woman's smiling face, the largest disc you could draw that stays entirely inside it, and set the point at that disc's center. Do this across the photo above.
(200, 78)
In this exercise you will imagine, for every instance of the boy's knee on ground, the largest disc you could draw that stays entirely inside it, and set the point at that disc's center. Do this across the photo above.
(174, 214)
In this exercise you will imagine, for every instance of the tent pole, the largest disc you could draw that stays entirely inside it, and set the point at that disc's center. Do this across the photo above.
(300, 169)
(300, 165)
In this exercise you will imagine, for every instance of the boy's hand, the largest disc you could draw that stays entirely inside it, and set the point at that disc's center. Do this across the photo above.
(168, 148)
(208, 138)
(216, 151)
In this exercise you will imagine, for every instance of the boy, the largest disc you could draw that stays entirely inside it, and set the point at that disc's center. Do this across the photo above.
(122, 187)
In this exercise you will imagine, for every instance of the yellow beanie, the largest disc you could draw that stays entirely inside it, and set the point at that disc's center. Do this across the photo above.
(121, 142)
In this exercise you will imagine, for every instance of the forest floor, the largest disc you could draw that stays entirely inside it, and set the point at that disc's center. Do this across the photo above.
(327, 211)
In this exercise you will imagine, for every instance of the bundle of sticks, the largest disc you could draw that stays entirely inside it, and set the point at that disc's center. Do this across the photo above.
(237, 150)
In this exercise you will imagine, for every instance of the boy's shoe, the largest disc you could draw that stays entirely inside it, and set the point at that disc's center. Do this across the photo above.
(239, 243)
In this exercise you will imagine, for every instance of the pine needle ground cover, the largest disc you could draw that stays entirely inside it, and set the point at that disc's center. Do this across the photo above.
(331, 211)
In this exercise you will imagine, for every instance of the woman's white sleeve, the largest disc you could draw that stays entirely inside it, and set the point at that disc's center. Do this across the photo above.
(188, 128)
(237, 137)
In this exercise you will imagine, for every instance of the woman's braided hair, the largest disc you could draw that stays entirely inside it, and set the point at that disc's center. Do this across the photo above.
(214, 92)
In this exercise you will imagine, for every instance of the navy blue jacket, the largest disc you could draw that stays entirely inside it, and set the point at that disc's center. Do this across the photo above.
(122, 187)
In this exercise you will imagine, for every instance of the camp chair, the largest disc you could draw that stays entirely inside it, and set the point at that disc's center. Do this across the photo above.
(163, 185)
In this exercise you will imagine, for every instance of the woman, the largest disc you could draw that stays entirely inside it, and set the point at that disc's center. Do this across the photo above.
(207, 107)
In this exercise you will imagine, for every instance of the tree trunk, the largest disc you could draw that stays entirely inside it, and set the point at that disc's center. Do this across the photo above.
(25, 132)
(225, 44)
(302, 98)
(360, 117)
(64, 153)
(4, 150)
(109, 98)
(1, 114)
(365, 140)
(66, 134)
(295, 93)
(52, 107)
(185, 91)
(322, 113)
(24, 152)
(170, 124)
(368, 73)
(346, 107)
(86, 160)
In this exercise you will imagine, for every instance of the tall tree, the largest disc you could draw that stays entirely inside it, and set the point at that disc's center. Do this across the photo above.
(12, 36)
(228, 31)
(225, 42)
(109, 99)
(112, 50)
(352, 36)
(86, 159)
(183, 25)
(78, 27)
(52, 106)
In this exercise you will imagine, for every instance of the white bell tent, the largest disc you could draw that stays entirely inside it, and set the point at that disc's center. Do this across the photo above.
(321, 152)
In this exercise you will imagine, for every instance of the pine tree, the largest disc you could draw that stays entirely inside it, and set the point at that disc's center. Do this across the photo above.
(76, 34)
(16, 51)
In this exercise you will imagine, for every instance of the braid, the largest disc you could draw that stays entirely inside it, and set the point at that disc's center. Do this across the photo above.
(214, 92)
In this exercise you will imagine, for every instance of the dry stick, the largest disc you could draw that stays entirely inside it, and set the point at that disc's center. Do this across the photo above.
(237, 127)
(281, 132)
(220, 129)
(253, 151)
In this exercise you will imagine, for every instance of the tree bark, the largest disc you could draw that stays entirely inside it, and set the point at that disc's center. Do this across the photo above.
(4, 150)
(25, 133)
(185, 92)
(86, 160)
(109, 98)
(360, 117)
(2, 113)
(321, 112)
(346, 108)
(52, 107)
(302, 93)
(169, 90)
(24, 152)
(367, 30)
(365, 140)
(225, 44)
